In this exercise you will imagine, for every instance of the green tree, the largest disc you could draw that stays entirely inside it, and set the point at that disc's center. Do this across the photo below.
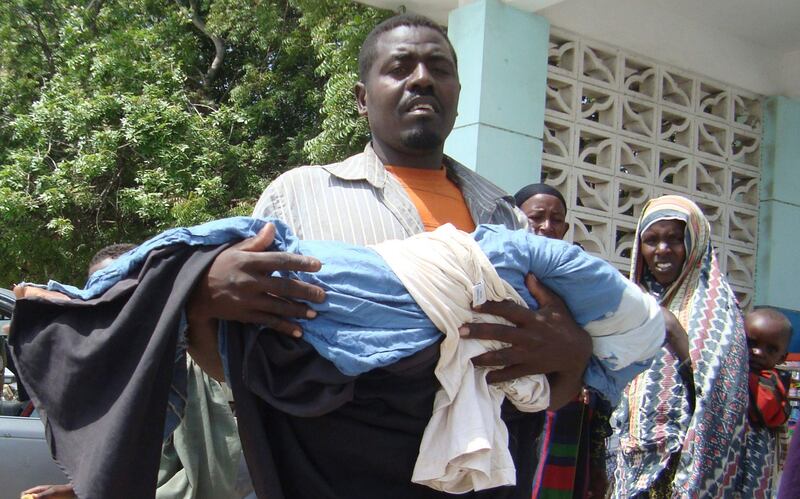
(337, 40)
(120, 119)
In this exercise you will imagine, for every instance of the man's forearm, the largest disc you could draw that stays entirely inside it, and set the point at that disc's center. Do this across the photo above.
(203, 347)
(566, 384)
(564, 387)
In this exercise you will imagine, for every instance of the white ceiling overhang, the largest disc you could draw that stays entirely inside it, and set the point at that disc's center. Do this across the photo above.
(754, 44)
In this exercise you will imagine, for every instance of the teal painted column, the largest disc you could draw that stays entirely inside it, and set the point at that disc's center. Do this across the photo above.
(502, 63)
(777, 263)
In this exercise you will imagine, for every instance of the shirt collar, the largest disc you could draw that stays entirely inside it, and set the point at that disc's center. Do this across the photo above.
(364, 166)
(480, 195)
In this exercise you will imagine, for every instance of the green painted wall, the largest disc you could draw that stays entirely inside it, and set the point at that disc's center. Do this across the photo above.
(502, 59)
(498, 132)
(778, 264)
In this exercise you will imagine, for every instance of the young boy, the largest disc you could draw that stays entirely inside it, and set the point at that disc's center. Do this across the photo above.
(406, 294)
(768, 335)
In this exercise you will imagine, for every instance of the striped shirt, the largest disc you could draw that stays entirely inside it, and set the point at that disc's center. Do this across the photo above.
(357, 201)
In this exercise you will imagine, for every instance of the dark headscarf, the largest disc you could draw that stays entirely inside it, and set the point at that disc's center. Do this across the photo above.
(526, 192)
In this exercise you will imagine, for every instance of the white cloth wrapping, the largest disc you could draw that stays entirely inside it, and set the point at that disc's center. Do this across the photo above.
(633, 333)
(465, 444)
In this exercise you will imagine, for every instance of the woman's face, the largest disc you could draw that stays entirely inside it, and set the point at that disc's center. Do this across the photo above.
(546, 215)
(663, 250)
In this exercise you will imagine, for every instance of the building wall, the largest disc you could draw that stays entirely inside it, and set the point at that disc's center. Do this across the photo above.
(716, 159)
(501, 51)
(777, 270)
(667, 31)
(621, 128)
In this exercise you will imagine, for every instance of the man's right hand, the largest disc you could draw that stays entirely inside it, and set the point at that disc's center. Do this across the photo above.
(238, 286)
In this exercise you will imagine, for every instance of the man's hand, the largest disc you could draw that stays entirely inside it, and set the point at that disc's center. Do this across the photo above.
(238, 286)
(50, 492)
(36, 292)
(544, 341)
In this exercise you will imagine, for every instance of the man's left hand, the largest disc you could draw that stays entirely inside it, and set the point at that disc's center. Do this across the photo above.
(544, 341)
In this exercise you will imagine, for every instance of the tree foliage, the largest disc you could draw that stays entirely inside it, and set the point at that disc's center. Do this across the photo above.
(120, 119)
(337, 41)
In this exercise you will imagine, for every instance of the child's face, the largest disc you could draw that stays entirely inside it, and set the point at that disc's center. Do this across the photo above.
(767, 341)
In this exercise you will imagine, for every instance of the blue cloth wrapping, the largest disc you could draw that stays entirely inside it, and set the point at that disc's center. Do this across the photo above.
(364, 295)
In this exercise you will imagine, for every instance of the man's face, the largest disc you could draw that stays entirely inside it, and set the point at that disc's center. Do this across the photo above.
(663, 250)
(767, 340)
(410, 95)
(546, 215)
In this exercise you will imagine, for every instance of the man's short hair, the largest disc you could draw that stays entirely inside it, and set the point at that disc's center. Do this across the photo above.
(366, 56)
(112, 251)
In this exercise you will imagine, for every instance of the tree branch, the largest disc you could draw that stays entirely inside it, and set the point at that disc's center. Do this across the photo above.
(219, 43)
(93, 10)
(33, 23)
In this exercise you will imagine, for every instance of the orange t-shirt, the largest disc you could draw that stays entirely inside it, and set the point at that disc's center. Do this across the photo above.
(435, 196)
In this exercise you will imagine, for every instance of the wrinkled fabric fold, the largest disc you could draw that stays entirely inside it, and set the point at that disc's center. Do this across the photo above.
(99, 372)
(136, 324)
(465, 445)
(201, 458)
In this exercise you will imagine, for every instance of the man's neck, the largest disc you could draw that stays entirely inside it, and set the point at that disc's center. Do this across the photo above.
(429, 160)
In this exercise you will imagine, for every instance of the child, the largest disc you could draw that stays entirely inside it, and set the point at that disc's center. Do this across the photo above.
(386, 302)
(768, 335)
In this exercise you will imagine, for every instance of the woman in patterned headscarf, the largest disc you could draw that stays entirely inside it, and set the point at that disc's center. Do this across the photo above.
(682, 423)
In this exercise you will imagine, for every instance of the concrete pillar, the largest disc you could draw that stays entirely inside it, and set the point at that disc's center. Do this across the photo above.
(502, 62)
(777, 263)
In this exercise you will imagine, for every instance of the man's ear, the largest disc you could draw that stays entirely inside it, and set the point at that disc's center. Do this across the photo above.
(361, 98)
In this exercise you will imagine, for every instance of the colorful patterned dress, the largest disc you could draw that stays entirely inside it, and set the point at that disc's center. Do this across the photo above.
(684, 436)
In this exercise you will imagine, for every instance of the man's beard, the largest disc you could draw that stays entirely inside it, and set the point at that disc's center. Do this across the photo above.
(421, 138)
